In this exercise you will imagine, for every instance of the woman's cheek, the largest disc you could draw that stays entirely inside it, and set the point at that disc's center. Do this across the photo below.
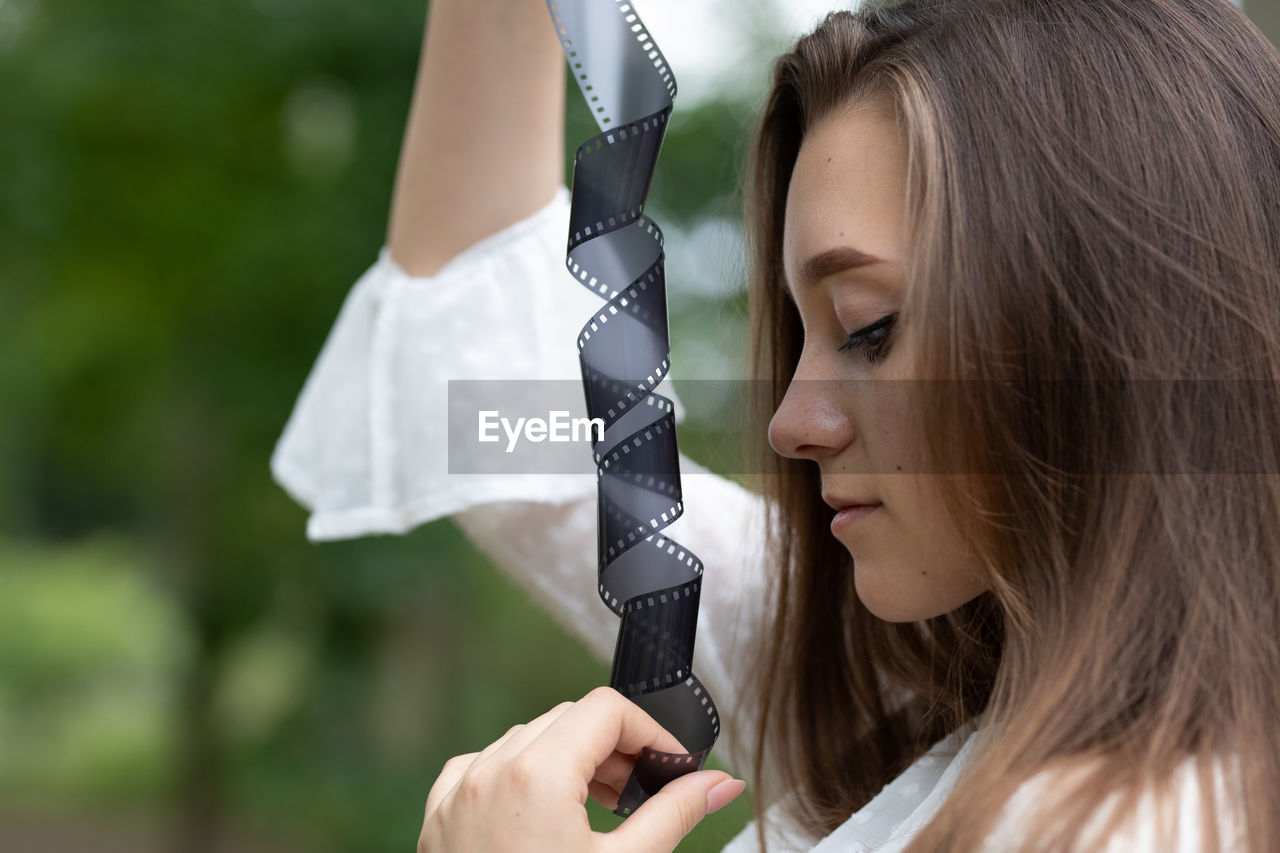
(892, 433)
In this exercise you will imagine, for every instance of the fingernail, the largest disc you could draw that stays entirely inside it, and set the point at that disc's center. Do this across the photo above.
(722, 793)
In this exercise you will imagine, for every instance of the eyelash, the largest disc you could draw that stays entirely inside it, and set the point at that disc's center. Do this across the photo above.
(871, 338)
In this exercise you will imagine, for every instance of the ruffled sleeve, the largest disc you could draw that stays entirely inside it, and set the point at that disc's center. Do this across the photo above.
(365, 448)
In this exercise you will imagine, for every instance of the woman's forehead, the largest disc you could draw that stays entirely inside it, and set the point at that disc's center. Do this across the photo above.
(847, 188)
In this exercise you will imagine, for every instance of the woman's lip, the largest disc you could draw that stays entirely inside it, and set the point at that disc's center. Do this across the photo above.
(850, 515)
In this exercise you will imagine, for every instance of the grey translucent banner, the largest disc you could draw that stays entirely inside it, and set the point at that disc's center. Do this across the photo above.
(1180, 427)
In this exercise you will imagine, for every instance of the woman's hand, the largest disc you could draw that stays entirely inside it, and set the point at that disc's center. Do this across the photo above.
(527, 791)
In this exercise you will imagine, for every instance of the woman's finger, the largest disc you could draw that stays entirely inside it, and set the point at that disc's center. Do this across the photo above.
(518, 737)
(455, 768)
(497, 744)
(603, 794)
(615, 770)
(597, 725)
(611, 777)
(663, 820)
(447, 780)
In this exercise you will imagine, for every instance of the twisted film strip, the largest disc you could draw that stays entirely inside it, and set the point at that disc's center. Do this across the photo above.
(615, 251)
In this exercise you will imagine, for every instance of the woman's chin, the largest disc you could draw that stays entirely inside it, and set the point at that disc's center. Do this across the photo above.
(882, 593)
(881, 598)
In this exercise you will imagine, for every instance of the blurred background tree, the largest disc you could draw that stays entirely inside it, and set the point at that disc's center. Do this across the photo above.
(187, 191)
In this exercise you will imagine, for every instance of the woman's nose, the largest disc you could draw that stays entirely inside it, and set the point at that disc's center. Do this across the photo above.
(809, 423)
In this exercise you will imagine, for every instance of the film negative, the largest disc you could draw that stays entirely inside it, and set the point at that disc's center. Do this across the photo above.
(614, 250)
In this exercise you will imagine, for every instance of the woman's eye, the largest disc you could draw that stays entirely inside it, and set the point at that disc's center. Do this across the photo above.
(873, 339)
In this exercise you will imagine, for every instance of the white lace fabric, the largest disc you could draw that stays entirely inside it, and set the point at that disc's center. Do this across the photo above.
(365, 451)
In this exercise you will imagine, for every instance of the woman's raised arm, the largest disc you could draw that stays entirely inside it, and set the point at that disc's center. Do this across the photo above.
(484, 142)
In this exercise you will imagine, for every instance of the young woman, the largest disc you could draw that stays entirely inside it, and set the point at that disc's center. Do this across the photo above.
(1016, 582)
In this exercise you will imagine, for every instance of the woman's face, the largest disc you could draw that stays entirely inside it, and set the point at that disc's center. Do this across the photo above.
(847, 200)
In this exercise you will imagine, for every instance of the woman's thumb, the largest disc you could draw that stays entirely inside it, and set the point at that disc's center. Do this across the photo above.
(669, 815)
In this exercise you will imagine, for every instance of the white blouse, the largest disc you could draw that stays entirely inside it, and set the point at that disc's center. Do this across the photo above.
(365, 452)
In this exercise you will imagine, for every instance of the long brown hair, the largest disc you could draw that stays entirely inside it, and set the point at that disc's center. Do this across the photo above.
(1093, 193)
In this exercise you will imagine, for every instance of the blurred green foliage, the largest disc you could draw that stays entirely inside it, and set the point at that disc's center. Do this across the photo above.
(187, 191)
(86, 702)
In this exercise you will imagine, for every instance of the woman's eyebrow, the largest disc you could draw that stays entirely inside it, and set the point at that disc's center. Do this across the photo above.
(833, 261)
